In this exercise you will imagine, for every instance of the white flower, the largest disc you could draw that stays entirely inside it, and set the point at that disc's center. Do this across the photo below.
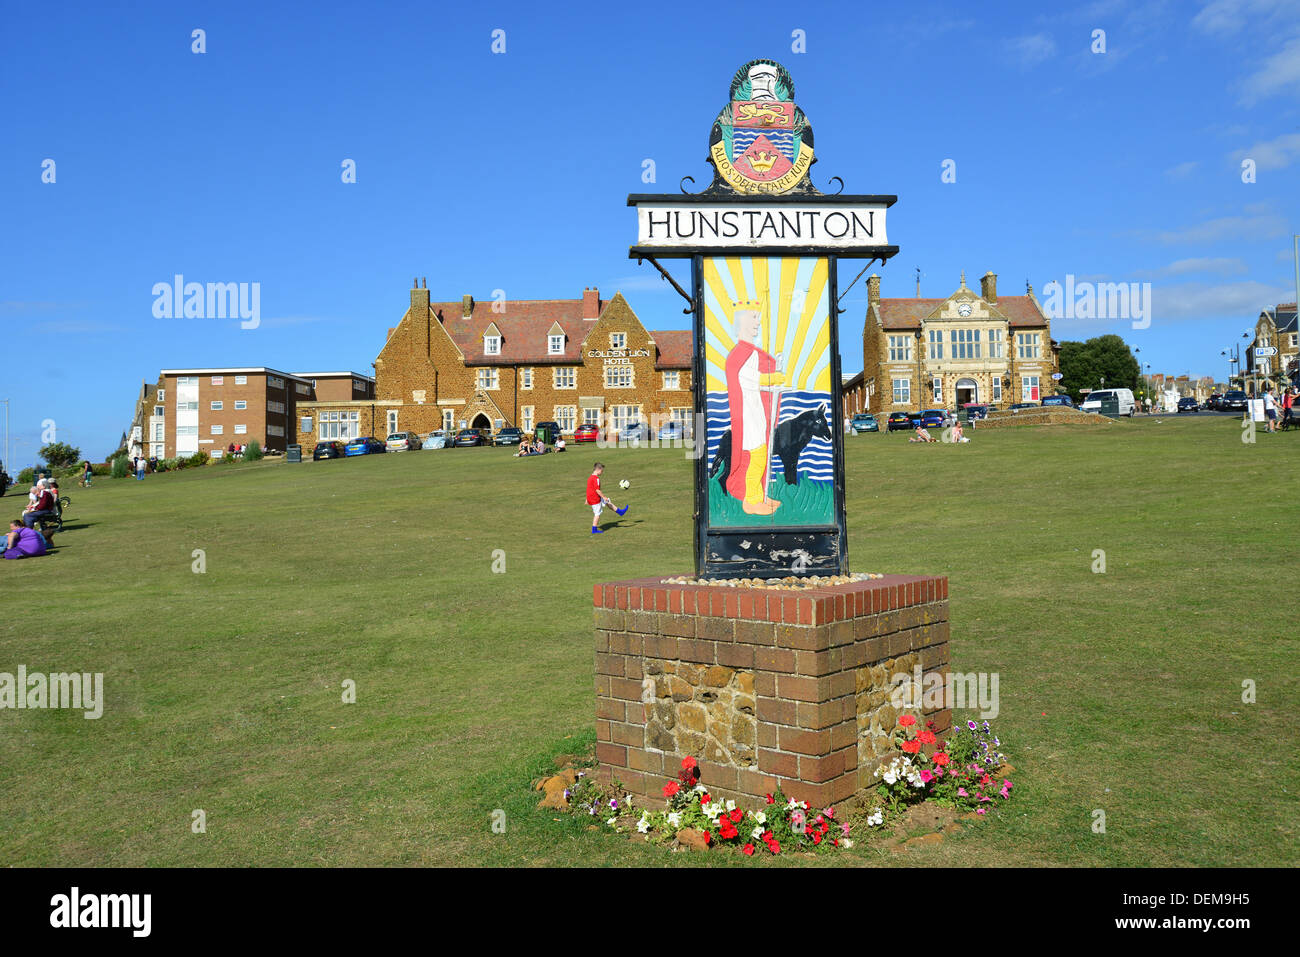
(890, 776)
(674, 819)
(700, 789)
(731, 805)
(643, 825)
(757, 833)
(611, 821)
(846, 843)
(873, 820)
(761, 817)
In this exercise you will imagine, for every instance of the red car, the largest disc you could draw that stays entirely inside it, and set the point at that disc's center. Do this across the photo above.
(586, 433)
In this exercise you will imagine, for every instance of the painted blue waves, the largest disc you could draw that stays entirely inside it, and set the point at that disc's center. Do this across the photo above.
(818, 458)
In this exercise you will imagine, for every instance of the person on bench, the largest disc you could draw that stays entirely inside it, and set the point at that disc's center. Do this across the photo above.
(42, 508)
(23, 541)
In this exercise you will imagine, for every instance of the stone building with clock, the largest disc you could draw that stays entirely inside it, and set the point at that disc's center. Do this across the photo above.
(472, 364)
(944, 353)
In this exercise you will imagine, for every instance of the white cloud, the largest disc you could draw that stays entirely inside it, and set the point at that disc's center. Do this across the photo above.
(1278, 73)
(1227, 17)
(1182, 170)
(1187, 267)
(1262, 226)
(1271, 154)
(1033, 49)
(1241, 300)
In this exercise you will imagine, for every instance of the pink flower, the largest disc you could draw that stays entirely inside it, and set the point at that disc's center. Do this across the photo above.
(980, 810)
(985, 797)
(845, 826)
(961, 792)
(926, 776)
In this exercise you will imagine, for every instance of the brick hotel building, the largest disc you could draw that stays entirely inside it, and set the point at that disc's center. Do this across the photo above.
(469, 364)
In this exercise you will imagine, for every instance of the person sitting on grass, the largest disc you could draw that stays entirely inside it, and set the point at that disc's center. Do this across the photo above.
(23, 541)
(921, 435)
(559, 444)
(957, 435)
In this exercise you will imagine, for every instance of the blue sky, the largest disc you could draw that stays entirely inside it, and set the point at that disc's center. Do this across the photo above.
(510, 171)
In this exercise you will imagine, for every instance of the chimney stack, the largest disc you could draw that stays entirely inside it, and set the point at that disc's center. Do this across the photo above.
(590, 303)
(466, 306)
(873, 289)
(419, 299)
(989, 287)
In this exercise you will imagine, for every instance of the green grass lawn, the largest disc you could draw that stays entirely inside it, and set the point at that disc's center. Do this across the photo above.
(1120, 691)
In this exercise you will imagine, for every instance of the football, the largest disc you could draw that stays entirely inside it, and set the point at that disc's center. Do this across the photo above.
(625, 484)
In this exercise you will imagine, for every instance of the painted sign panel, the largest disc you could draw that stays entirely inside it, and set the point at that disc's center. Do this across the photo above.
(762, 142)
(692, 225)
(768, 392)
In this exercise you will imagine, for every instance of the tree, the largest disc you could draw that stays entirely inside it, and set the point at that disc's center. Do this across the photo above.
(60, 455)
(1085, 364)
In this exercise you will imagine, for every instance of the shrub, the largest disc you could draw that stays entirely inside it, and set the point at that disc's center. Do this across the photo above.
(26, 477)
(121, 467)
(104, 468)
(199, 458)
(166, 465)
(253, 451)
(60, 454)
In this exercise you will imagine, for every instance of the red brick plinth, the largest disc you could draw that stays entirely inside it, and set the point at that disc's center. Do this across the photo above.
(764, 687)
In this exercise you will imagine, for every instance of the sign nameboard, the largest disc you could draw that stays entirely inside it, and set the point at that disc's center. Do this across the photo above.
(764, 245)
(1265, 351)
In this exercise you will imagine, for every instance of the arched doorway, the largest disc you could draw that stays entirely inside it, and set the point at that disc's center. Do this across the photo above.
(966, 390)
(481, 421)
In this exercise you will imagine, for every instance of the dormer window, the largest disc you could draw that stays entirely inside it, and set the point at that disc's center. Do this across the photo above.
(492, 345)
(618, 340)
(556, 345)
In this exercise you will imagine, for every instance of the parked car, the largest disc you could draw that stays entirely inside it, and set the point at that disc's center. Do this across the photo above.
(671, 430)
(976, 410)
(469, 438)
(586, 432)
(366, 445)
(328, 450)
(437, 440)
(1125, 396)
(899, 422)
(1064, 400)
(404, 442)
(934, 418)
(508, 436)
(864, 422)
(1234, 400)
(1017, 406)
(1188, 403)
(635, 432)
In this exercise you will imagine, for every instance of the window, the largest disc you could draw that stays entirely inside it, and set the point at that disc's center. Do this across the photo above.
(358, 385)
(900, 348)
(591, 416)
(564, 417)
(618, 340)
(274, 382)
(492, 345)
(672, 380)
(625, 415)
(936, 343)
(241, 380)
(187, 407)
(218, 429)
(158, 432)
(1027, 346)
(448, 420)
(997, 388)
(995, 344)
(159, 410)
(218, 380)
(487, 378)
(937, 387)
(302, 388)
(241, 404)
(162, 395)
(275, 407)
(902, 391)
(1295, 337)
(681, 415)
(215, 405)
(1029, 388)
(566, 378)
(392, 421)
(188, 430)
(526, 418)
(274, 430)
(618, 377)
(241, 429)
(187, 380)
(305, 425)
(525, 378)
(965, 343)
(556, 345)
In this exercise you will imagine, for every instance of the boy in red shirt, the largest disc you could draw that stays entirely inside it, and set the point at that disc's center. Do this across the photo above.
(597, 500)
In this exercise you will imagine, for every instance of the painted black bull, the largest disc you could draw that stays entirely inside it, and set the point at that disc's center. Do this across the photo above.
(790, 439)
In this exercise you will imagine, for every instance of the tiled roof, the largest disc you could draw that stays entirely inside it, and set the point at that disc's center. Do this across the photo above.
(525, 326)
(908, 313)
(1283, 316)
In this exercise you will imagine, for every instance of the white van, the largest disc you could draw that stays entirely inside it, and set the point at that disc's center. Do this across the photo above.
(1092, 403)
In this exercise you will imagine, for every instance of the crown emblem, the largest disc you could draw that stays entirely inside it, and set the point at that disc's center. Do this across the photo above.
(762, 161)
(753, 304)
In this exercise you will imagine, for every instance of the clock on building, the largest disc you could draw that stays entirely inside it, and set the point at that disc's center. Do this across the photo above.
(964, 310)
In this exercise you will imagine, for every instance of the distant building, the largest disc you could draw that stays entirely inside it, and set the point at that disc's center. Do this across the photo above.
(1275, 331)
(943, 353)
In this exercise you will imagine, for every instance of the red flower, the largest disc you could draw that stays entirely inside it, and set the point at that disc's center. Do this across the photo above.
(671, 788)
(767, 837)
(708, 838)
(985, 780)
(769, 799)
(926, 737)
(774, 847)
(816, 837)
(737, 816)
(688, 763)
(704, 798)
(940, 759)
(749, 850)
(727, 830)
(906, 721)
(911, 747)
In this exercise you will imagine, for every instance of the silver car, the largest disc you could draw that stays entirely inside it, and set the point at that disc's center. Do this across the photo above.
(437, 440)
